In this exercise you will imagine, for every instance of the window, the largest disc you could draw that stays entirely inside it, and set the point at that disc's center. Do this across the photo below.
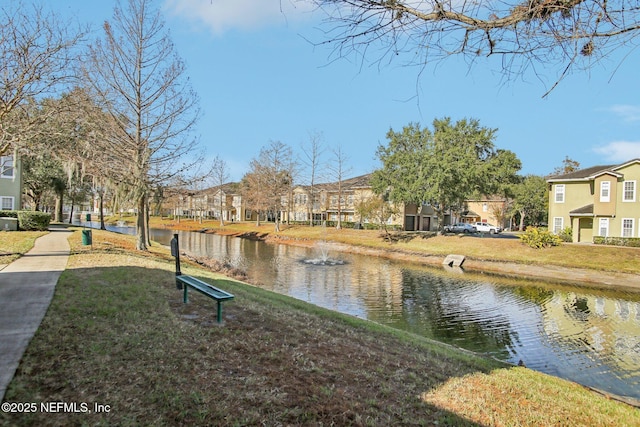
(485, 207)
(627, 227)
(6, 203)
(603, 229)
(559, 193)
(629, 191)
(605, 191)
(558, 223)
(6, 166)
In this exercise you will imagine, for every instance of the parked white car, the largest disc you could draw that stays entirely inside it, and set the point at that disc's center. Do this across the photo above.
(484, 227)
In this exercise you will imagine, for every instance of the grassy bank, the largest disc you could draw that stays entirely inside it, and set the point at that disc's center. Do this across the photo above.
(487, 248)
(118, 335)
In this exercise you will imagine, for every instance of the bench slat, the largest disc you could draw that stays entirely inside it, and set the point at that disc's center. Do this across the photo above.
(204, 287)
(211, 291)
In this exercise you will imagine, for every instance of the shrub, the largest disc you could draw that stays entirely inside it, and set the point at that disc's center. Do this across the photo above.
(32, 220)
(632, 242)
(539, 239)
(566, 235)
(9, 214)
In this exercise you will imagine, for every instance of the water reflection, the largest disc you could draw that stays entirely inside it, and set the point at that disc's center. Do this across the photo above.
(588, 336)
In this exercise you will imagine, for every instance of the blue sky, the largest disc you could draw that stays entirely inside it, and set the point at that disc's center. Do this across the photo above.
(260, 79)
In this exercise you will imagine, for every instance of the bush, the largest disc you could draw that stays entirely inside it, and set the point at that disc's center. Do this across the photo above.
(9, 214)
(566, 235)
(32, 220)
(632, 242)
(539, 239)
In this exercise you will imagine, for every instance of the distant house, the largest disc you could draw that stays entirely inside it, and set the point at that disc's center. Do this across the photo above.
(596, 201)
(10, 183)
(331, 201)
(492, 210)
(216, 202)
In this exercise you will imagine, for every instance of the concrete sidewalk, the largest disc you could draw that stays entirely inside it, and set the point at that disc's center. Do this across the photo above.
(26, 290)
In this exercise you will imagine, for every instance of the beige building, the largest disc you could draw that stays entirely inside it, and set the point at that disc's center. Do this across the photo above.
(492, 210)
(347, 200)
(217, 202)
(343, 200)
(596, 201)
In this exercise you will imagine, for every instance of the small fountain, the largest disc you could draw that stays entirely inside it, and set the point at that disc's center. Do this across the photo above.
(323, 259)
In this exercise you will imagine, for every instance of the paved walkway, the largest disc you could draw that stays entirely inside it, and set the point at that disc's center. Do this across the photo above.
(26, 290)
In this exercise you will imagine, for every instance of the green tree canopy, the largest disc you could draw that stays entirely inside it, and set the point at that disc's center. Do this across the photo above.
(530, 199)
(443, 167)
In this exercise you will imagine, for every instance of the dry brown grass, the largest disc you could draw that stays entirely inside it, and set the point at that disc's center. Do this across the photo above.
(118, 334)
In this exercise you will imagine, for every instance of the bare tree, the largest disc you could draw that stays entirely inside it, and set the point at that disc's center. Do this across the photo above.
(270, 178)
(220, 175)
(140, 81)
(568, 165)
(312, 152)
(339, 169)
(525, 33)
(253, 192)
(37, 52)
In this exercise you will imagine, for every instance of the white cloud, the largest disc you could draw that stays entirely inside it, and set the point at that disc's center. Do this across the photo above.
(629, 113)
(620, 151)
(220, 16)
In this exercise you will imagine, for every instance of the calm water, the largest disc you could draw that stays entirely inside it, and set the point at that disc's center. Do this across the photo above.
(588, 336)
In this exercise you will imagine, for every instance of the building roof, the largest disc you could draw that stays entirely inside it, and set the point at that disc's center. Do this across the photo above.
(362, 181)
(592, 172)
(228, 188)
(582, 173)
(583, 211)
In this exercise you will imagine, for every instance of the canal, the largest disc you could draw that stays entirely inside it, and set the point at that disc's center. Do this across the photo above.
(589, 336)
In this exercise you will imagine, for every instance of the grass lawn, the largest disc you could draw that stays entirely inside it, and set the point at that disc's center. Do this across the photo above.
(117, 334)
(13, 244)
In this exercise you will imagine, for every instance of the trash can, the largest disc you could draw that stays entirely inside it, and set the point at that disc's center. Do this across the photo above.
(86, 237)
(88, 217)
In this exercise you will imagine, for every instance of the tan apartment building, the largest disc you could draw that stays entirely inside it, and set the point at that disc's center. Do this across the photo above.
(492, 210)
(331, 201)
(345, 201)
(596, 201)
(223, 201)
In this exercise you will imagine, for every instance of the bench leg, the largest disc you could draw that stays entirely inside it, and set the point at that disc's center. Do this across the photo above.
(184, 294)
(219, 312)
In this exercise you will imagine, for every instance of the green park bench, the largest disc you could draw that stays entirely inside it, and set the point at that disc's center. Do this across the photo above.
(211, 291)
(184, 282)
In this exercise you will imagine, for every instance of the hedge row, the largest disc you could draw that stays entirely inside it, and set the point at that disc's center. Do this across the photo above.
(633, 242)
(29, 220)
